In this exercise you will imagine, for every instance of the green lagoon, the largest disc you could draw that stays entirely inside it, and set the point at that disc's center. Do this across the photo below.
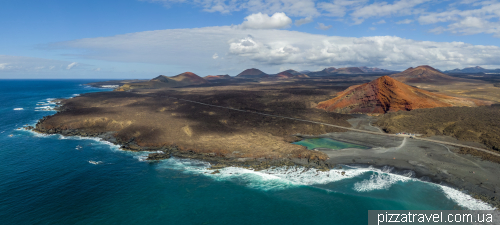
(327, 143)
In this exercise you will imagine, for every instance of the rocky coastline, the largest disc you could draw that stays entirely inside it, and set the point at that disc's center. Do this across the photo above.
(154, 120)
(218, 162)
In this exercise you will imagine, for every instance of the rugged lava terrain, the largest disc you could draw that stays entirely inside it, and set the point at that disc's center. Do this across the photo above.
(156, 119)
(386, 94)
(478, 124)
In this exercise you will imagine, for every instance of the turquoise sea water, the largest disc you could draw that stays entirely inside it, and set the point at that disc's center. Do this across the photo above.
(313, 143)
(47, 180)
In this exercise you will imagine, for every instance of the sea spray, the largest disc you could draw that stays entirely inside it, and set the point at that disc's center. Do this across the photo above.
(280, 178)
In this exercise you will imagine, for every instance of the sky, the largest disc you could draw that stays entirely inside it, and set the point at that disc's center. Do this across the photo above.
(123, 39)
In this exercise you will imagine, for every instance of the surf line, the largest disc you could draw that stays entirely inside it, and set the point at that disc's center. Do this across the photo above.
(341, 127)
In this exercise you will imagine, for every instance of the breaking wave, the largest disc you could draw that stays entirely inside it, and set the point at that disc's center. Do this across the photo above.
(289, 177)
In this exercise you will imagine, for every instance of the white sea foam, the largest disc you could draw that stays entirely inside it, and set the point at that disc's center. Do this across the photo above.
(45, 108)
(379, 181)
(465, 200)
(269, 179)
(76, 95)
(48, 105)
(18, 109)
(110, 86)
(288, 177)
(304, 176)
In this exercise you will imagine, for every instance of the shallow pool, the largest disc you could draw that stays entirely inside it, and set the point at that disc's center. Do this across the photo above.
(327, 143)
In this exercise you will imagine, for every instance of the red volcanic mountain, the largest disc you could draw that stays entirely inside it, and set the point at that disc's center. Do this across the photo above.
(422, 74)
(252, 73)
(386, 94)
(284, 75)
(287, 74)
(217, 77)
(190, 78)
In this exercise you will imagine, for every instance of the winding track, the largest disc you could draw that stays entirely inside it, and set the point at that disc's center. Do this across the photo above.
(341, 127)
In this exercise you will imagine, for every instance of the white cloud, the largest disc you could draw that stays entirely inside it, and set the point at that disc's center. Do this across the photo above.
(381, 9)
(4, 66)
(405, 21)
(264, 21)
(379, 22)
(372, 28)
(194, 48)
(339, 8)
(473, 21)
(486, 12)
(97, 69)
(71, 65)
(9, 63)
(303, 21)
(215, 56)
(437, 30)
(301, 8)
(322, 26)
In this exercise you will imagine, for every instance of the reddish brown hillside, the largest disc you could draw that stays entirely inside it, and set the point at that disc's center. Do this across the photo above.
(217, 77)
(386, 94)
(422, 74)
(252, 73)
(284, 75)
(190, 78)
(348, 70)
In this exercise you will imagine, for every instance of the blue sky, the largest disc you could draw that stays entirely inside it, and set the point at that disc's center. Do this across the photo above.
(145, 38)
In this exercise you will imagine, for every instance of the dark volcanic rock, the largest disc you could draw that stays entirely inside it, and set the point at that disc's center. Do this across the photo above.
(158, 156)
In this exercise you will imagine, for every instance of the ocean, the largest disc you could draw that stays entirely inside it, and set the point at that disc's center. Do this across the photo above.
(50, 179)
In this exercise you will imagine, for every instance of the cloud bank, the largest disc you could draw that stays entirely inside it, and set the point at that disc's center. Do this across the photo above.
(465, 17)
(10, 63)
(194, 48)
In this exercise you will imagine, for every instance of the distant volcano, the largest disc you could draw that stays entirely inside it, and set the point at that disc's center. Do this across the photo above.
(386, 94)
(476, 69)
(217, 77)
(190, 78)
(333, 71)
(252, 73)
(422, 74)
(374, 70)
(290, 74)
